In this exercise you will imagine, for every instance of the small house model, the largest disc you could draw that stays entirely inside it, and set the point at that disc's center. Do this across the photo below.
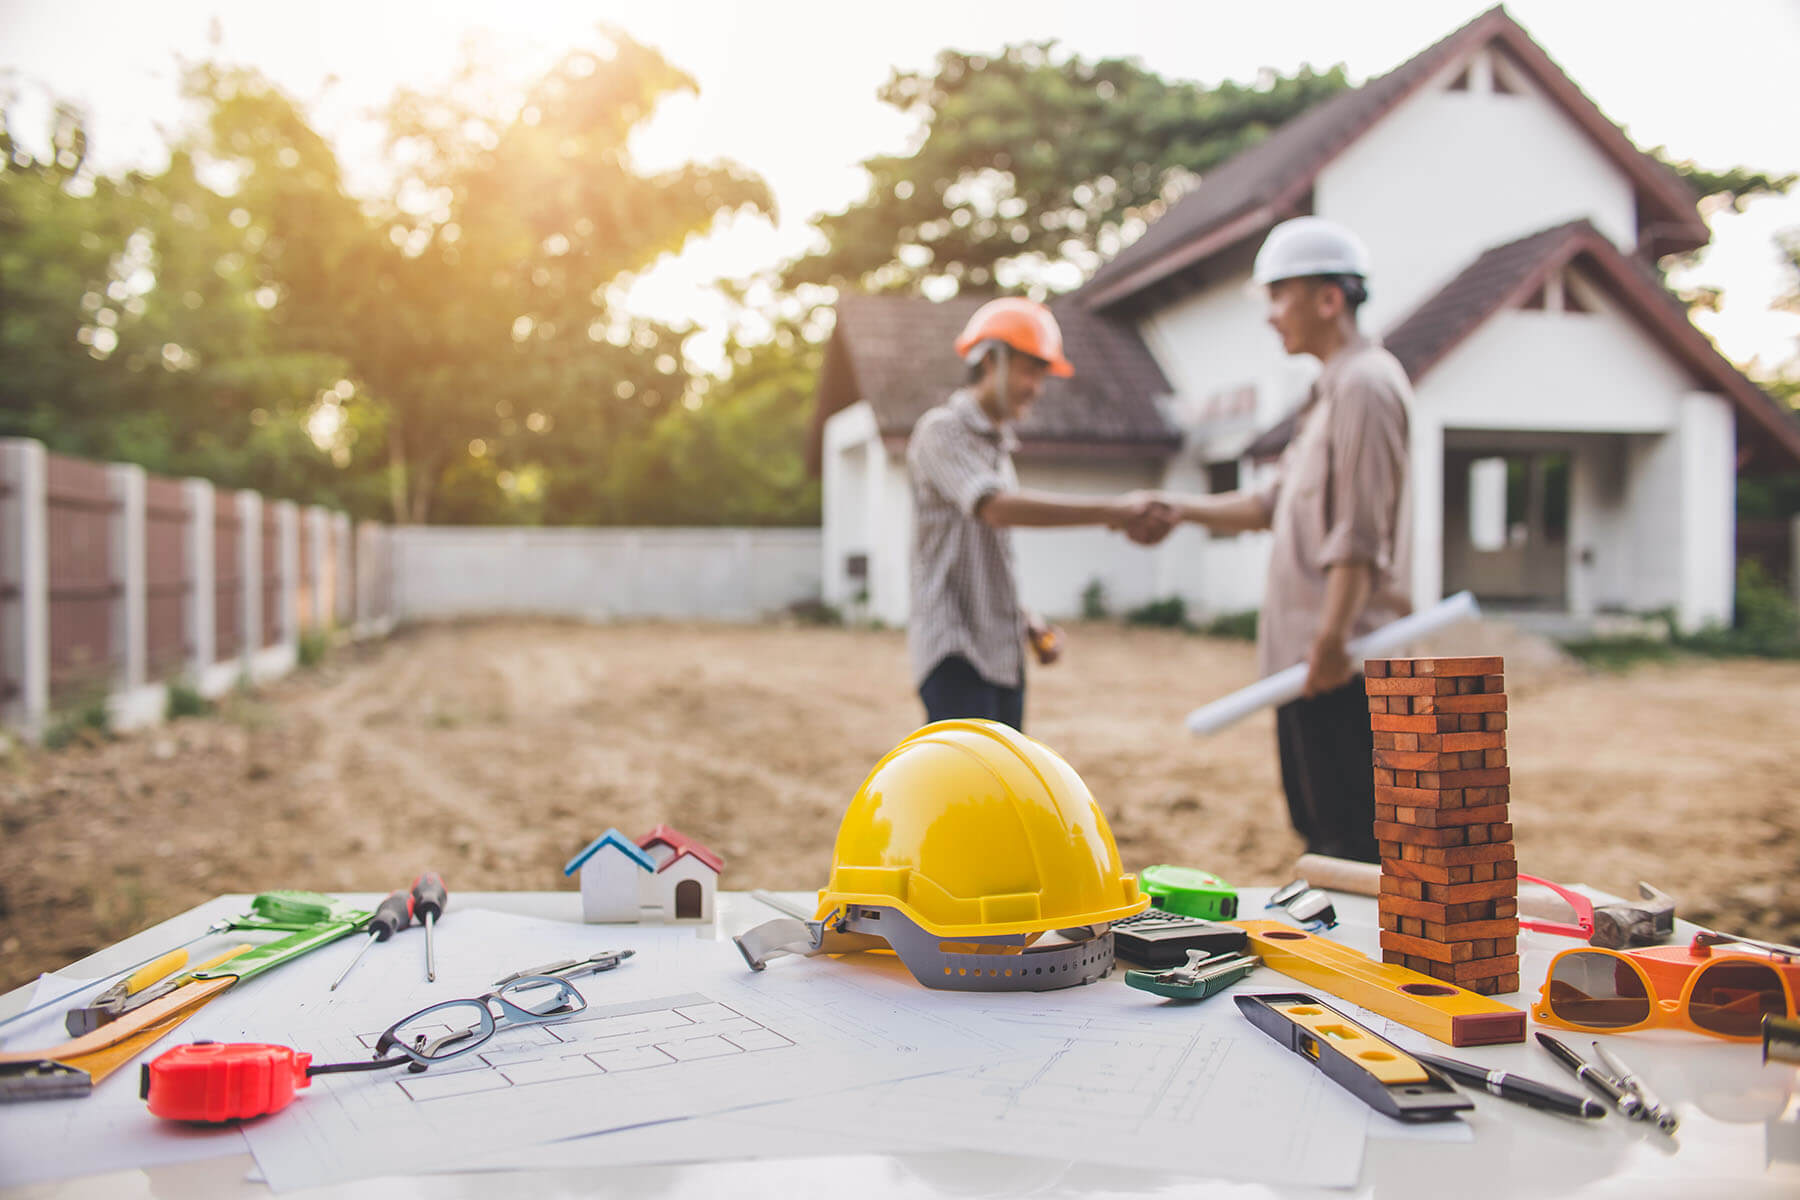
(663, 876)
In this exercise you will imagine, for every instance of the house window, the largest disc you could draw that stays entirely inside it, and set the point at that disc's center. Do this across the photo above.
(1222, 477)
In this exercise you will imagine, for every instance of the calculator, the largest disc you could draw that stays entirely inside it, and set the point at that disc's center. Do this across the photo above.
(1157, 938)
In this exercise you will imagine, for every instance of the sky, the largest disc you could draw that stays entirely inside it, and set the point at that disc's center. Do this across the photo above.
(787, 88)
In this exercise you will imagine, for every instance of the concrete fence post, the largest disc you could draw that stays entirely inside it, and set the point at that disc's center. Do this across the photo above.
(343, 604)
(1794, 560)
(315, 545)
(24, 586)
(287, 516)
(199, 619)
(251, 634)
(130, 615)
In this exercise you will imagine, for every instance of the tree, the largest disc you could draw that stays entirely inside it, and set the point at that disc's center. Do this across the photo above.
(475, 301)
(1028, 158)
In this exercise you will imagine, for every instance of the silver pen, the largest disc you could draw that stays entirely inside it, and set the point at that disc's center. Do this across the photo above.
(568, 968)
(1653, 1109)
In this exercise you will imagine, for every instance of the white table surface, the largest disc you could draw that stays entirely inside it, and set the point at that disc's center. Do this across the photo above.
(1739, 1134)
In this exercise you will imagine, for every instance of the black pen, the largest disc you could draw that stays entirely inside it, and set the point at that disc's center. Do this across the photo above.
(1593, 1076)
(1508, 1086)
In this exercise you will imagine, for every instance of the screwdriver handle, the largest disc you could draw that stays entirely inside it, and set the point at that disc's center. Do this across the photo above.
(146, 975)
(429, 896)
(391, 915)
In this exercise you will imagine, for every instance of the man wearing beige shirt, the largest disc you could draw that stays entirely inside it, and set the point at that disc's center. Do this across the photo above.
(1338, 504)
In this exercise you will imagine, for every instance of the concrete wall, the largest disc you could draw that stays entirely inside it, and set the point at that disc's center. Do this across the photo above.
(601, 574)
(1449, 174)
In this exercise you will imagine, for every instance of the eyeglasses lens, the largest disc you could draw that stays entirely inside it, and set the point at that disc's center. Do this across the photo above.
(444, 1030)
(1597, 991)
(1313, 905)
(541, 995)
(1732, 997)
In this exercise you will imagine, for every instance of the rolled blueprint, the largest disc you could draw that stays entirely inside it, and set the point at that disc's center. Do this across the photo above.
(1287, 684)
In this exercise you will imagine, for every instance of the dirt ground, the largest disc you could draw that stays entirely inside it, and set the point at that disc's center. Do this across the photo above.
(493, 751)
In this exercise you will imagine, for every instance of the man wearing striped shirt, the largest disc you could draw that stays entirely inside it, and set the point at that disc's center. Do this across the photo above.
(967, 631)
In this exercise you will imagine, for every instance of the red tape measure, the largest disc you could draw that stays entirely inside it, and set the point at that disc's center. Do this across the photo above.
(223, 1081)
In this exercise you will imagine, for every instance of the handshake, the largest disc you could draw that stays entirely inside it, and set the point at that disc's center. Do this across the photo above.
(1145, 517)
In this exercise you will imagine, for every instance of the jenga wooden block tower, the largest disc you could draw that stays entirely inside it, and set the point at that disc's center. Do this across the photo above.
(1449, 881)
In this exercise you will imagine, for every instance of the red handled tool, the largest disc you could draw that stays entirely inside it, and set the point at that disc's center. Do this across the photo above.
(391, 916)
(428, 899)
(229, 1081)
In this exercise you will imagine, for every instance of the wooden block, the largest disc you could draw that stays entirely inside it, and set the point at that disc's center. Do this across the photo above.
(1384, 777)
(1482, 797)
(1390, 921)
(1493, 758)
(1405, 723)
(1495, 703)
(1493, 683)
(1485, 777)
(1483, 872)
(1464, 931)
(1396, 741)
(1406, 779)
(1477, 910)
(1449, 952)
(1419, 760)
(1506, 870)
(1460, 893)
(1480, 968)
(1447, 742)
(1386, 812)
(1424, 910)
(1395, 686)
(1388, 849)
(1507, 984)
(1421, 835)
(1469, 686)
(1507, 908)
(1493, 721)
(1375, 668)
(1378, 704)
(1437, 818)
(1418, 797)
(1484, 947)
(1486, 665)
(1406, 889)
(1426, 872)
(1469, 722)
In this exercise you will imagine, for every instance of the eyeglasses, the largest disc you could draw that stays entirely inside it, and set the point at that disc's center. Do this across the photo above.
(455, 1027)
(1306, 904)
(1723, 995)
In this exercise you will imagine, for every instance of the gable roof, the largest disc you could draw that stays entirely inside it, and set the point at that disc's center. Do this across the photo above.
(894, 351)
(617, 841)
(682, 845)
(1272, 180)
(1507, 275)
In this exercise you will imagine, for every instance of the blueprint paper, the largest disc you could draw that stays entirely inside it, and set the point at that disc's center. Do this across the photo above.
(1107, 1075)
(679, 1030)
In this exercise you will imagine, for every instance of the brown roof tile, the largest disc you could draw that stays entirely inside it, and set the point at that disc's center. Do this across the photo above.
(895, 352)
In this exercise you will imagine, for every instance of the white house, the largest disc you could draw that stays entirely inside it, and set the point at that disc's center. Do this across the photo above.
(1575, 440)
(663, 876)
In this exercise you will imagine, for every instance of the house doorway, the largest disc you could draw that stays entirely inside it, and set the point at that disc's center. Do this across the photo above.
(687, 900)
(1506, 526)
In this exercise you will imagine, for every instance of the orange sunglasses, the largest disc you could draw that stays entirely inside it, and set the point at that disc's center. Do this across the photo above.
(1723, 994)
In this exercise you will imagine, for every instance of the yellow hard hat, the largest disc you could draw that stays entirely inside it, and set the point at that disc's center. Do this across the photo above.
(971, 830)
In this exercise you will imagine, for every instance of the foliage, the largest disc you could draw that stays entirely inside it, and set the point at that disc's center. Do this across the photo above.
(1732, 186)
(84, 719)
(1093, 600)
(1031, 157)
(1169, 613)
(1238, 626)
(1765, 624)
(312, 647)
(184, 700)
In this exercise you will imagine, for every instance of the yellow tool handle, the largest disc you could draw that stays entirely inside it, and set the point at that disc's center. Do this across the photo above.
(150, 972)
(230, 954)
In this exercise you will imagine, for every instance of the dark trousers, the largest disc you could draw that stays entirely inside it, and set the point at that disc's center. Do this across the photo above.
(1327, 755)
(954, 689)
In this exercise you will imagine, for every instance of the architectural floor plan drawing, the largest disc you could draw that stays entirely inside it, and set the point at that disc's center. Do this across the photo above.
(642, 1035)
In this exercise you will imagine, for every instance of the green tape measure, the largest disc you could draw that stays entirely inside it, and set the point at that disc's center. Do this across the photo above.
(1190, 892)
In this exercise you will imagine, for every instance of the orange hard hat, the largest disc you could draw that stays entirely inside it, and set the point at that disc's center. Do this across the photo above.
(1025, 325)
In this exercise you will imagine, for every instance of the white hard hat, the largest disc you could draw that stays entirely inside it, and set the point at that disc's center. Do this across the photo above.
(1310, 246)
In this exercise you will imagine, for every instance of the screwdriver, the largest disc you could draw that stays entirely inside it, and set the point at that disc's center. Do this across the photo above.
(392, 915)
(428, 900)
